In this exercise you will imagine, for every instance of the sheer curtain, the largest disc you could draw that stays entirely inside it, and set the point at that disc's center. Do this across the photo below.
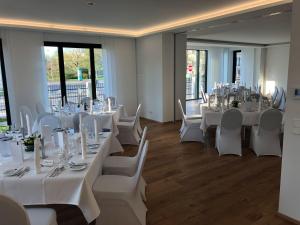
(119, 64)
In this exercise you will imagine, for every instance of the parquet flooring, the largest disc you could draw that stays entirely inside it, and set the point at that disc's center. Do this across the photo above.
(188, 183)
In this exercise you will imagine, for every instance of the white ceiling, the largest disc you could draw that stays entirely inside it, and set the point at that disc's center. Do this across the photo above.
(125, 14)
(258, 29)
(132, 16)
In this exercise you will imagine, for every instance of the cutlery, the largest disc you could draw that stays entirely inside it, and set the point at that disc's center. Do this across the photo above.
(25, 170)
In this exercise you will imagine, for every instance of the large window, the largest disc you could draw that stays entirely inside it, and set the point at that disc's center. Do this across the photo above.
(74, 71)
(196, 73)
(236, 70)
(4, 103)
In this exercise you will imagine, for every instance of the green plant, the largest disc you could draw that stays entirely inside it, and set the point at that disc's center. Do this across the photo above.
(235, 104)
(29, 143)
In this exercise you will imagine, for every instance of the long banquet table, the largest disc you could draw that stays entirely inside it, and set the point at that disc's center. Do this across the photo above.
(70, 187)
(108, 120)
(213, 118)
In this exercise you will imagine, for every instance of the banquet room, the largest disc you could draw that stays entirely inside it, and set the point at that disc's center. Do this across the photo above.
(149, 112)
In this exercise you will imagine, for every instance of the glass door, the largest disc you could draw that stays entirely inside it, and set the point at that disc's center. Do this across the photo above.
(196, 73)
(5, 119)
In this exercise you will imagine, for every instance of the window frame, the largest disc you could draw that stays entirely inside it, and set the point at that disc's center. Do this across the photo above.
(60, 46)
(198, 71)
(4, 83)
(234, 65)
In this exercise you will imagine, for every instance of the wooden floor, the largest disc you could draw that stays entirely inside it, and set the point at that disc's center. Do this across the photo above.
(190, 184)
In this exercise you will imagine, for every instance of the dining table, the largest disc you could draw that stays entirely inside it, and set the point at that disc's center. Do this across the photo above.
(70, 187)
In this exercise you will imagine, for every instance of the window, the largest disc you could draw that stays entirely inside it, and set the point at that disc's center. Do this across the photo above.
(196, 73)
(74, 71)
(236, 70)
(5, 118)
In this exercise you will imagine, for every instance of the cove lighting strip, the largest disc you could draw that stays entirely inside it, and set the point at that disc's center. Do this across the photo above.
(187, 21)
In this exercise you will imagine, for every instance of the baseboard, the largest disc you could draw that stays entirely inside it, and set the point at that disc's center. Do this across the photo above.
(288, 218)
(154, 121)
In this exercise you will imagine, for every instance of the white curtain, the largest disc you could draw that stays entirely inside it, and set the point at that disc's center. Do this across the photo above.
(119, 64)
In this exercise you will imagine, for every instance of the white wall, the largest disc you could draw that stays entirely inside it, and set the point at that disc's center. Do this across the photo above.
(289, 203)
(277, 62)
(155, 54)
(26, 74)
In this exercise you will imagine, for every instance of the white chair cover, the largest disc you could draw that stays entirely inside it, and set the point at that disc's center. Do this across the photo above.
(49, 120)
(265, 139)
(274, 95)
(26, 111)
(126, 166)
(128, 131)
(113, 101)
(228, 134)
(76, 120)
(277, 100)
(190, 127)
(119, 199)
(12, 213)
(282, 102)
(88, 123)
(40, 108)
(131, 118)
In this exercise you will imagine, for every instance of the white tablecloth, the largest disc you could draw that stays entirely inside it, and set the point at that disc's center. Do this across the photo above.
(108, 121)
(211, 118)
(70, 187)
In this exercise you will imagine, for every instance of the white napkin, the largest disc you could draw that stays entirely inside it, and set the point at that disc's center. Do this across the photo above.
(37, 155)
(60, 139)
(80, 122)
(109, 104)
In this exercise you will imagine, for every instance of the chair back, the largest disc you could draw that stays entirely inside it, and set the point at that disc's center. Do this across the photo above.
(88, 123)
(113, 101)
(76, 120)
(203, 95)
(141, 145)
(137, 116)
(40, 108)
(181, 109)
(26, 111)
(141, 164)
(274, 95)
(51, 121)
(282, 102)
(270, 120)
(277, 100)
(12, 213)
(231, 120)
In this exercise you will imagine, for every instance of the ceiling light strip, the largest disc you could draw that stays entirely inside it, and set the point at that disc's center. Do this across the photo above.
(203, 17)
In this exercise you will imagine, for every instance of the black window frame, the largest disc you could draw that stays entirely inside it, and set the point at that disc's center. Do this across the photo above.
(60, 46)
(198, 71)
(4, 83)
(234, 65)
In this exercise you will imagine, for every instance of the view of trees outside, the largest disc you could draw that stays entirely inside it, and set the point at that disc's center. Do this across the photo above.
(2, 104)
(77, 73)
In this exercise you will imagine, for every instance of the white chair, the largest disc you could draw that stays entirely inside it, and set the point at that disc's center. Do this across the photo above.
(113, 101)
(40, 108)
(86, 101)
(12, 213)
(278, 98)
(88, 123)
(265, 139)
(126, 166)
(275, 93)
(119, 199)
(190, 127)
(26, 111)
(132, 118)
(282, 103)
(76, 120)
(128, 131)
(228, 134)
(50, 120)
